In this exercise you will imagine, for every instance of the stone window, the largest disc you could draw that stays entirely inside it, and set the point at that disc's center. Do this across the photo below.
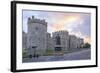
(58, 42)
(36, 28)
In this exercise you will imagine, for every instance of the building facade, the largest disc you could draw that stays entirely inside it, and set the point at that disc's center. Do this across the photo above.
(24, 40)
(36, 36)
(81, 43)
(61, 40)
(75, 42)
(49, 40)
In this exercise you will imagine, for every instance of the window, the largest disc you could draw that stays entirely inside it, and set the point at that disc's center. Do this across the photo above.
(36, 28)
(58, 42)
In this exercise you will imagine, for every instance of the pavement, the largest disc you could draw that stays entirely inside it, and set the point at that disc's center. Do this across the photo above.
(76, 55)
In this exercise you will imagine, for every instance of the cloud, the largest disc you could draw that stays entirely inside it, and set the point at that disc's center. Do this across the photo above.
(87, 39)
(64, 22)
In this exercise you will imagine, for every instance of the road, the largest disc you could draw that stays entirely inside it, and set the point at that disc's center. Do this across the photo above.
(80, 55)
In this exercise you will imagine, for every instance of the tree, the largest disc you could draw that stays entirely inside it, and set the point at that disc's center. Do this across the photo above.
(87, 45)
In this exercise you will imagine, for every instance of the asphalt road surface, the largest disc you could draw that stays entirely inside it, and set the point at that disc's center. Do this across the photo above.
(79, 55)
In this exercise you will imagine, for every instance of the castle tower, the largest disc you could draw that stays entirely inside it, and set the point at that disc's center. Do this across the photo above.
(61, 40)
(36, 36)
(24, 40)
(73, 41)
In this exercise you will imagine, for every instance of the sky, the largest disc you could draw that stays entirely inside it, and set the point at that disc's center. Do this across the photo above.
(78, 24)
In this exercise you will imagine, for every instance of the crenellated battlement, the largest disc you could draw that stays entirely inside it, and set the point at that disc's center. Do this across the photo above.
(61, 32)
(35, 20)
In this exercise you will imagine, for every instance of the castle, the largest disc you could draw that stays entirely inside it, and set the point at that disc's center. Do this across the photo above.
(37, 39)
(36, 36)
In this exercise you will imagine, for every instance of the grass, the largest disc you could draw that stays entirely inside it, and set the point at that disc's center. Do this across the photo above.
(49, 52)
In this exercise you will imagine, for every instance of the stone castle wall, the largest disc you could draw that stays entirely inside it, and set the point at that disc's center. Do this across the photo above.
(38, 39)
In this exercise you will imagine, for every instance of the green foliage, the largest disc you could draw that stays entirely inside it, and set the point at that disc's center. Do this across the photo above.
(87, 45)
(24, 52)
(49, 52)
